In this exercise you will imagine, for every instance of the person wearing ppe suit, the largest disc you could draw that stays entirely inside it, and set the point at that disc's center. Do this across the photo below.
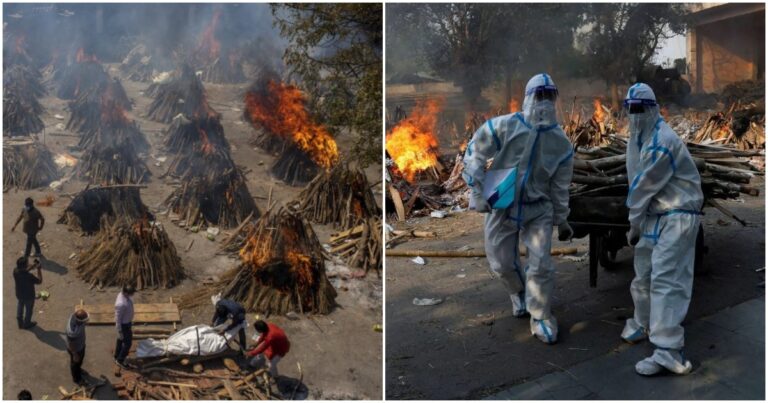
(524, 194)
(664, 201)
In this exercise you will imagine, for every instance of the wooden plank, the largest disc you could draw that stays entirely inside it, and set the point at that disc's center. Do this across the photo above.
(137, 308)
(160, 317)
(233, 393)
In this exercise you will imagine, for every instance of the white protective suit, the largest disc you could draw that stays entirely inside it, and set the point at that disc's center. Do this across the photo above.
(534, 144)
(664, 201)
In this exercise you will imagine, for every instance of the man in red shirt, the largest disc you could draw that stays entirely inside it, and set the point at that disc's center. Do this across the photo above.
(271, 346)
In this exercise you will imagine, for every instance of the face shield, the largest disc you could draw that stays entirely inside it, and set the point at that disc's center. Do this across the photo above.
(539, 105)
(642, 113)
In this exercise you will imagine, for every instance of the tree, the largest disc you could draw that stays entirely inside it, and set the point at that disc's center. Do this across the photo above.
(624, 36)
(336, 49)
(475, 44)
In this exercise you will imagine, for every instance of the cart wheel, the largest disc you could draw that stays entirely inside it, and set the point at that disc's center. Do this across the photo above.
(606, 255)
(699, 268)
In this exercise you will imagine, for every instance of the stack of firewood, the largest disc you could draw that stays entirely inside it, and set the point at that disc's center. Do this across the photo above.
(112, 149)
(159, 383)
(725, 171)
(27, 164)
(136, 65)
(185, 134)
(136, 252)
(360, 246)
(340, 196)
(89, 208)
(282, 268)
(21, 107)
(591, 132)
(79, 77)
(741, 125)
(184, 94)
(213, 191)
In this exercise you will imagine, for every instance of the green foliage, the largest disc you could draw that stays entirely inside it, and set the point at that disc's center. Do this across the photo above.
(624, 36)
(335, 49)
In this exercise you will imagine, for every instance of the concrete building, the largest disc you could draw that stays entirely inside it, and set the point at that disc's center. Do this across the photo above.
(726, 43)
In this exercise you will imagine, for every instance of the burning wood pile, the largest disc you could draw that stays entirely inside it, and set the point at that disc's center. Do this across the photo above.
(141, 64)
(592, 132)
(91, 107)
(414, 168)
(187, 134)
(725, 172)
(282, 268)
(360, 246)
(112, 150)
(741, 125)
(27, 164)
(304, 147)
(213, 191)
(82, 75)
(21, 107)
(131, 252)
(340, 196)
(158, 383)
(94, 206)
(182, 94)
(220, 65)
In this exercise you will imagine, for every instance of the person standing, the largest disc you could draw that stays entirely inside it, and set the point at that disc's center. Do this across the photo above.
(271, 346)
(32, 223)
(76, 344)
(524, 194)
(25, 290)
(124, 324)
(664, 201)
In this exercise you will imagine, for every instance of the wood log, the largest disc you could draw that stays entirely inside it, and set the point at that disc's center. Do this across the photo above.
(455, 253)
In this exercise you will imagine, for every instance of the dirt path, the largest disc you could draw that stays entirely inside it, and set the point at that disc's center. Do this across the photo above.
(340, 354)
(470, 346)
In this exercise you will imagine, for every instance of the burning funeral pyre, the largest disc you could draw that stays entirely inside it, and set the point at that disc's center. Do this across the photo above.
(142, 64)
(213, 190)
(219, 64)
(88, 110)
(340, 196)
(94, 206)
(112, 150)
(593, 131)
(182, 94)
(303, 146)
(27, 164)
(131, 251)
(187, 134)
(78, 77)
(282, 269)
(21, 107)
(412, 144)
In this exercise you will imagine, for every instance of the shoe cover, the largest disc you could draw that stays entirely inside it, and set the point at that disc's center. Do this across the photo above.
(648, 367)
(518, 305)
(545, 330)
(673, 360)
(633, 333)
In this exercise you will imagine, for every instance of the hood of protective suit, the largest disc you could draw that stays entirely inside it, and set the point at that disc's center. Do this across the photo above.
(640, 123)
(539, 113)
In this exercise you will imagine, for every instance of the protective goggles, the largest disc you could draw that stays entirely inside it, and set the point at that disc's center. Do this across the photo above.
(543, 93)
(635, 106)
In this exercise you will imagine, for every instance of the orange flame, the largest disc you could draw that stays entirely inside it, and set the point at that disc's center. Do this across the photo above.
(463, 145)
(599, 114)
(514, 106)
(282, 112)
(113, 114)
(82, 57)
(207, 146)
(412, 144)
(208, 42)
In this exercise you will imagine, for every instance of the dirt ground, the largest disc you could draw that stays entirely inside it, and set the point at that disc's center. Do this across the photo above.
(470, 345)
(340, 354)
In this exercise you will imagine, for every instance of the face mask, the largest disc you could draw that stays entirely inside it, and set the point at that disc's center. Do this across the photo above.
(27, 208)
(639, 122)
(256, 336)
(544, 113)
